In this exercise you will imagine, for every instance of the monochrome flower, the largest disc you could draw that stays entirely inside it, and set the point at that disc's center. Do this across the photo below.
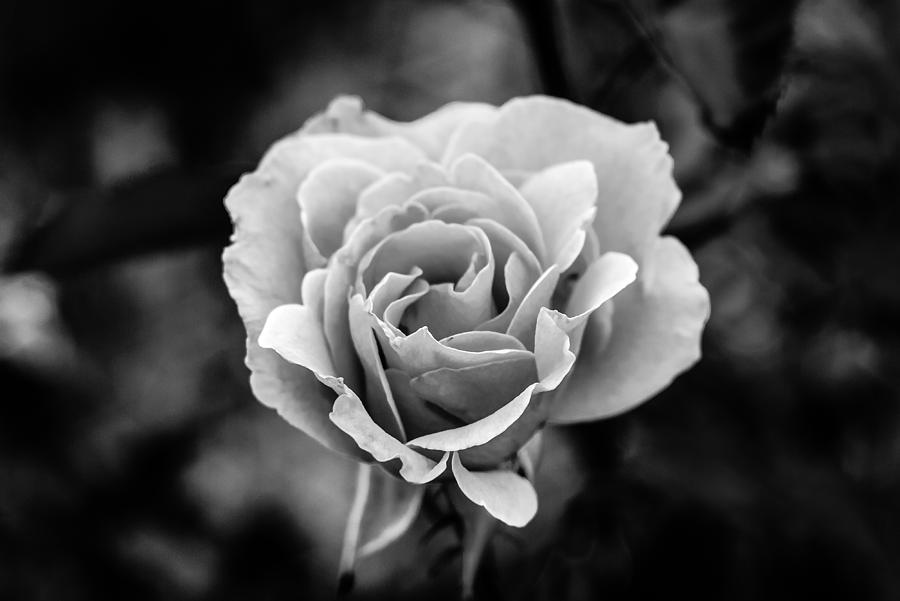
(429, 295)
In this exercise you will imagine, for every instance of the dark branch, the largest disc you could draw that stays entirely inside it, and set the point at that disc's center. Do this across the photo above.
(164, 211)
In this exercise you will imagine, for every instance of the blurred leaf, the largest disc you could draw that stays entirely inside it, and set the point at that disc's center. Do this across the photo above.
(732, 55)
(729, 54)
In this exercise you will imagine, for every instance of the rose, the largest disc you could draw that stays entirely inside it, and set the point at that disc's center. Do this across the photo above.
(431, 293)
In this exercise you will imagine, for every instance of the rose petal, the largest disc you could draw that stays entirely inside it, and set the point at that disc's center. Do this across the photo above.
(456, 205)
(298, 397)
(482, 341)
(342, 274)
(518, 281)
(442, 251)
(515, 280)
(420, 351)
(395, 189)
(293, 332)
(393, 314)
(267, 241)
(390, 288)
(419, 417)
(636, 192)
(313, 292)
(379, 399)
(554, 360)
(447, 311)
(295, 392)
(431, 132)
(507, 496)
(264, 265)
(351, 416)
(478, 432)
(529, 455)
(472, 393)
(328, 199)
(523, 322)
(603, 279)
(656, 331)
(506, 205)
(563, 199)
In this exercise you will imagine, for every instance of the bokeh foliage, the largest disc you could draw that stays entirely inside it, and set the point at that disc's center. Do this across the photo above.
(135, 464)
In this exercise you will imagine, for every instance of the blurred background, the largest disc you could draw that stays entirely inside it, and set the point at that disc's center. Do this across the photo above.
(134, 462)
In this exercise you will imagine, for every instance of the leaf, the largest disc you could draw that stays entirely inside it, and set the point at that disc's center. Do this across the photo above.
(730, 55)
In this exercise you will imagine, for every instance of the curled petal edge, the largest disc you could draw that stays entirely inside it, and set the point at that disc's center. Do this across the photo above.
(505, 495)
(551, 372)
(351, 416)
(292, 332)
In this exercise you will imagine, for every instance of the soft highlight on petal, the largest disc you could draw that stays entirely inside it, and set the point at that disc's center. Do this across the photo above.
(636, 192)
(656, 329)
(478, 432)
(351, 416)
(563, 198)
(264, 265)
(431, 132)
(293, 332)
(328, 198)
(505, 495)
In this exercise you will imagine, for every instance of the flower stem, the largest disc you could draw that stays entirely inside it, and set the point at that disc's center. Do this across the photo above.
(347, 563)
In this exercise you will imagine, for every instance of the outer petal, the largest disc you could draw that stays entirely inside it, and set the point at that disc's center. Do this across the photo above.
(556, 340)
(267, 244)
(507, 496)
(431, 132)
(294, 333)
(637, 194)
(655, 336)
(264, 265)
(603, 279)
(328, 198)
(351, 417)
(563, 198)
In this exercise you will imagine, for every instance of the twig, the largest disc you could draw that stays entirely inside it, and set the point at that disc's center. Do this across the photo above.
(158, 212)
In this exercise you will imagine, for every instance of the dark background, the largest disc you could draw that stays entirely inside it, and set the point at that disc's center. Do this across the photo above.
(135, 464)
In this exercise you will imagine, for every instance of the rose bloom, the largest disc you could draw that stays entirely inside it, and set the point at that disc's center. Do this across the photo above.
(428, 295)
